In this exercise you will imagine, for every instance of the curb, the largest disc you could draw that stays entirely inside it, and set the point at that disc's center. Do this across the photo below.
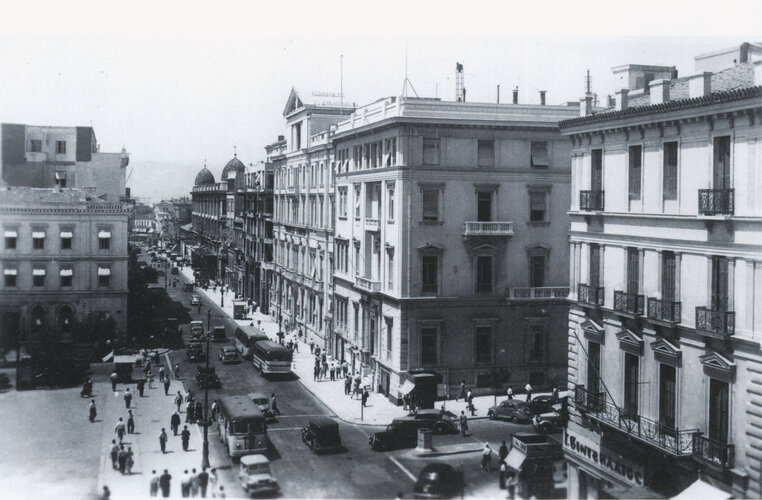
(438, 453)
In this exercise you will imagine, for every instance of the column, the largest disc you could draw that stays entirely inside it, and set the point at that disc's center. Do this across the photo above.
(573, 270)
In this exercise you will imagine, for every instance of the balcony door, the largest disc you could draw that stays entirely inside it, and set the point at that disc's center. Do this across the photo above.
(631, 381)
(668, 276)
(719, 284)
(633, 271)
(596, 171)
(595, 264)
(593, 367)
(721, 170)
(718, 411)
(667, 396)
(484, 206)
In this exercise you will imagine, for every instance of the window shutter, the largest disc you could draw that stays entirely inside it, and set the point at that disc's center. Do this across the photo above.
(539, 153)
(430, 204)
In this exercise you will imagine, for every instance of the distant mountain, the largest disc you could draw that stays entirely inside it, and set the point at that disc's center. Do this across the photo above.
(158, 181)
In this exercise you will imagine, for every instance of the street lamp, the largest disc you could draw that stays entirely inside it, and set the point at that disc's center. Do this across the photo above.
(205, 449)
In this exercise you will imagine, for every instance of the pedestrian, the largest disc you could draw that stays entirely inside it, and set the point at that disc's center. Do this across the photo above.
(166, 386)
(185, 437)
(203, 481)
(161, 374)
(154, 484)
(213, 481)
(185, 484)
(163, 442)
(312, 347)
(274, 405)
(509, 392)
(462, 392)
(113, 378)
(199, 307)
(130, 422)
(463, 423)
(365, 397)
(127, 398)
(149, 377)
(119, 428)
(165, 481)
(178, 401)
(487, 458)
(114, 454)
(503, 472)
(528, 389)
(345, 368)
(195, 485)
(214, 409)
(198, 412)
(471, 406)
(221, 493)
(93, 412)
(189, 408)
(555, 394)
(122, 459)
(106, 493)
(332, 371)
(177, 371)
(503, 452)
(174, 422)
(130, 460)
(141, 386)
(315, 372)
(511, 484)
(347, 385)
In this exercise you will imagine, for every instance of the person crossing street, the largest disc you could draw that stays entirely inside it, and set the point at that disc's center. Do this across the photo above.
(93, 411)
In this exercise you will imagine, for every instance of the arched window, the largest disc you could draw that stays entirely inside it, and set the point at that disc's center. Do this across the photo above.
(65, 319)
(38, 322)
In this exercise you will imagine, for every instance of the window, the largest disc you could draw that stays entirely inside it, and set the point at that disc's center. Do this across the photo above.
(668, 263)
(389, 329)
(485, 153)
(718, 411)
(719, 291)
(721, 165)
(66, 277)
(596, 170)
(390, 201)
(104, 276)
(429, 338)
(483, 344)
(539, 154)
(391, 152)
(358, 191)
(593, 367)
(297, 131)
(595, 264)
(431, 205)
(670, 171)
(429, 274)
(635, 171)
(667, 395)
(536, 343)
(484, 274)
(484, 206)
(10, 277)
(11, 235)
(631, 368)
(356, 318)
(536, 270)
(38, 240)
(38, 277)
(537, 206)
(343, 202)
(61, 178)
(61, 147)
(35, 146)
(104, 240)
(357, 257)
(431, 151)
(633, 270)
(390, 268)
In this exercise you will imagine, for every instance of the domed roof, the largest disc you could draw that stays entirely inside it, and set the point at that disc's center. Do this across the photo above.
(204, 176)
(232, 168)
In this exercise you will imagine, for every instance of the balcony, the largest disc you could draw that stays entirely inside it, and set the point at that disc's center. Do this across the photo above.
(591, 201)
(629, 303)
(676, 442)
(715, 324)
(538, 293)
(592, 295)
(488, 228)
(371, 224)
(716, 201)
(367, 284)
(715, 454)
(664, 310)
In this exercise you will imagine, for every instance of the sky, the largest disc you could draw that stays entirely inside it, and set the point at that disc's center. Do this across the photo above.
(178, 89)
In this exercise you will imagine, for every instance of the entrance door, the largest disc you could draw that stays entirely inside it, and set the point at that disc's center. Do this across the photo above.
(596, 173)
(718, 411)
(667, 396)
(631, 369)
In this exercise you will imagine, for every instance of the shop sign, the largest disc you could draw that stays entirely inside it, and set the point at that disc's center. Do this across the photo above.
(591, 451)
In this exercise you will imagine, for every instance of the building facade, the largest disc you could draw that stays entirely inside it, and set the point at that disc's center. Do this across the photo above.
(665, 322)
(258, 238)
(450, 243)
(64, 259)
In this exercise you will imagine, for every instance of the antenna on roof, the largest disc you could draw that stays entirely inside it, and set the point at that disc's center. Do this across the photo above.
(588, 84)
(341, 88)
(407, 80)
(460, 89)
(235, 151)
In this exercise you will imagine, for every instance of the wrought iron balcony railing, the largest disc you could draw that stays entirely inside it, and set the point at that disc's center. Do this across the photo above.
(588, 401)
(715, 324)
(591, 200)
(371, 224)
(676, 442)
(664, 310)
(713, 453)
(716, 201)
(538, 292)
(588, 294)
(630, 303)
(488, 228)
(367, 284)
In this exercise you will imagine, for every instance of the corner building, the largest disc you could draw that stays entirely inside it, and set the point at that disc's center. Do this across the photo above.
(450, 244)
(665, 322)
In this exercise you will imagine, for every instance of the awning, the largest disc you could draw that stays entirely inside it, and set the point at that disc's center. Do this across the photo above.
(38, 272)
(11, 234)
(540, 154)
(38, 234)
(407, 387)
(9, 272)
(515, 459)
(66, 272)
(60, 175)
(67, 234)
(104, 234)
(104, 271)
(701, 490)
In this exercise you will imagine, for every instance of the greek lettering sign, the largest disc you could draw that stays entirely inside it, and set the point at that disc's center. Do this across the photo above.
(592, 452)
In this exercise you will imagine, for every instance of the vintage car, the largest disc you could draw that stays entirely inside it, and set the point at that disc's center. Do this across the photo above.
(550, 421)
(218, 334)
(195, 299)
(322, 434)
(196, 331)
(263, 402)
(401, 433)
(188, 287)
(541, 404)
(441, 422)
(255, 476)
(229, 354)
(195, 352)
(207, 377)
(438, 480)
(511, 409)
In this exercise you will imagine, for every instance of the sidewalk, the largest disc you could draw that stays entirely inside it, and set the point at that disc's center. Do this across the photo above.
(379, 410)
(152, 412)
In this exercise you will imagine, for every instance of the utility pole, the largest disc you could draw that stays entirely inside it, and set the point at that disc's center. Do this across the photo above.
(205, 449)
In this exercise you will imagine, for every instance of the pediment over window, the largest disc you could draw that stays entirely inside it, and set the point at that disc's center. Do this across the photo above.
(630, 341)
(430, 248)
(484, 249)
(666, 352)
(718, 366)
(593, 330)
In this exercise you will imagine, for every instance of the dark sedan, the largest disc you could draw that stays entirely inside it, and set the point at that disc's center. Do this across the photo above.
(511, 409)
(438, 480)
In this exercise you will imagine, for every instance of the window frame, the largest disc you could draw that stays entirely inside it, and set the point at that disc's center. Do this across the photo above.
(390, 192)
(33, 143)
(537, 251)
(438, 188)
(485, 253)
(543, 190)
(59, 149)
(481, 157)
(534, 330)
(668, 193)
(537, 146)
(635, 172)
(431, 144)
(433, 331)
(482, 330)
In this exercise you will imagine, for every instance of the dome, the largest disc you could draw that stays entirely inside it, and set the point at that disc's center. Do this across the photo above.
(232, 168)
(204, 176)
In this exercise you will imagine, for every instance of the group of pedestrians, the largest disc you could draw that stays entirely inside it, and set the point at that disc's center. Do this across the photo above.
(192, 484)
(121, 458)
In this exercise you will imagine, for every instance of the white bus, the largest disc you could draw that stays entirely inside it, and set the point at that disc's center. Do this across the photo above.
(270, 357)
(246, 337)
(242, 427)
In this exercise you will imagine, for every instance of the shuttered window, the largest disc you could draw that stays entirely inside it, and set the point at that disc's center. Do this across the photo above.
(429, 274)
(538, 210)
(670, 171)
(595, 264)
(635, 172)
(431, 151)
(667, 396)
(539, 153)
(430, 204)
(719, 283)
(484, 274)
(486, 153)
(668, 276)
(633, 270)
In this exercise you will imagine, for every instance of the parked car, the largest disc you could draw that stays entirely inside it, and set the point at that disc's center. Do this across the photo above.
(511, 409)
(197, 331)
(218, 334)
(263, 402)
(195, 299)
(175, 270)
(322, 434)
(255, 476)
(440, 422)
(228, 354)
(195, 352)
(541, 404)
(188, 287)
(207, 377)
(401, 433)
(438, 480)
(550, 421)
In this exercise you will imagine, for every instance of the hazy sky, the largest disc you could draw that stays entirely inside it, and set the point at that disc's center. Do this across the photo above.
(179, 95)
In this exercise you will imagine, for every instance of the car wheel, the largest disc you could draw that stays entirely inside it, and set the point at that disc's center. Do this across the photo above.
(491, 415)
(545, 427)
(439, 429)
(512, 418)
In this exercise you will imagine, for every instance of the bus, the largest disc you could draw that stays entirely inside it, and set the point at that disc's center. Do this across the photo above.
(245, 339)
(270, 357)
(241, 425)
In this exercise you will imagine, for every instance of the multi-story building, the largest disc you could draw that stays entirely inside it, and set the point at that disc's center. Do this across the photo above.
(45, 157)
(64, 259)
(142, 224)
(258, 243)
(450, 245)
(665, 322)
(302, 222)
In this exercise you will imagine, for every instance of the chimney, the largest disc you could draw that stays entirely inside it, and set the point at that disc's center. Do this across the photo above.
(700, 85)
(586, 105)
(516, 95)
(542, 97)
(621, 99)
(659, 91)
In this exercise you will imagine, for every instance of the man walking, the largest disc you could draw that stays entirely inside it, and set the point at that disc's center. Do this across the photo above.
(203, 481)
(189, 412)
(365, 397)
(178, 401)
(194, 486)
(470, 401)
(462, 392)
(130, 422)
(163, 443)
(528, 388)
(503, 452)
(509, 392)
(463, 423)
(185, 437)
(487, 457)
(119, 429)
(165, 482)
(161, 374)
(185, 485)
(154, 489)
(274, 405)
(141, 386)
(174, 422)
(93, 412)
(122, 457)
(127, 398)
(114, 454)
(347, 385)
(166, 386)
(113, 378)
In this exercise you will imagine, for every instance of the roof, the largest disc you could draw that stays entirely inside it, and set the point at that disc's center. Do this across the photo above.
(297, 100)
(204, 176)
(47, 196)
(235, 165)
(323, 422)
(254, 460)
